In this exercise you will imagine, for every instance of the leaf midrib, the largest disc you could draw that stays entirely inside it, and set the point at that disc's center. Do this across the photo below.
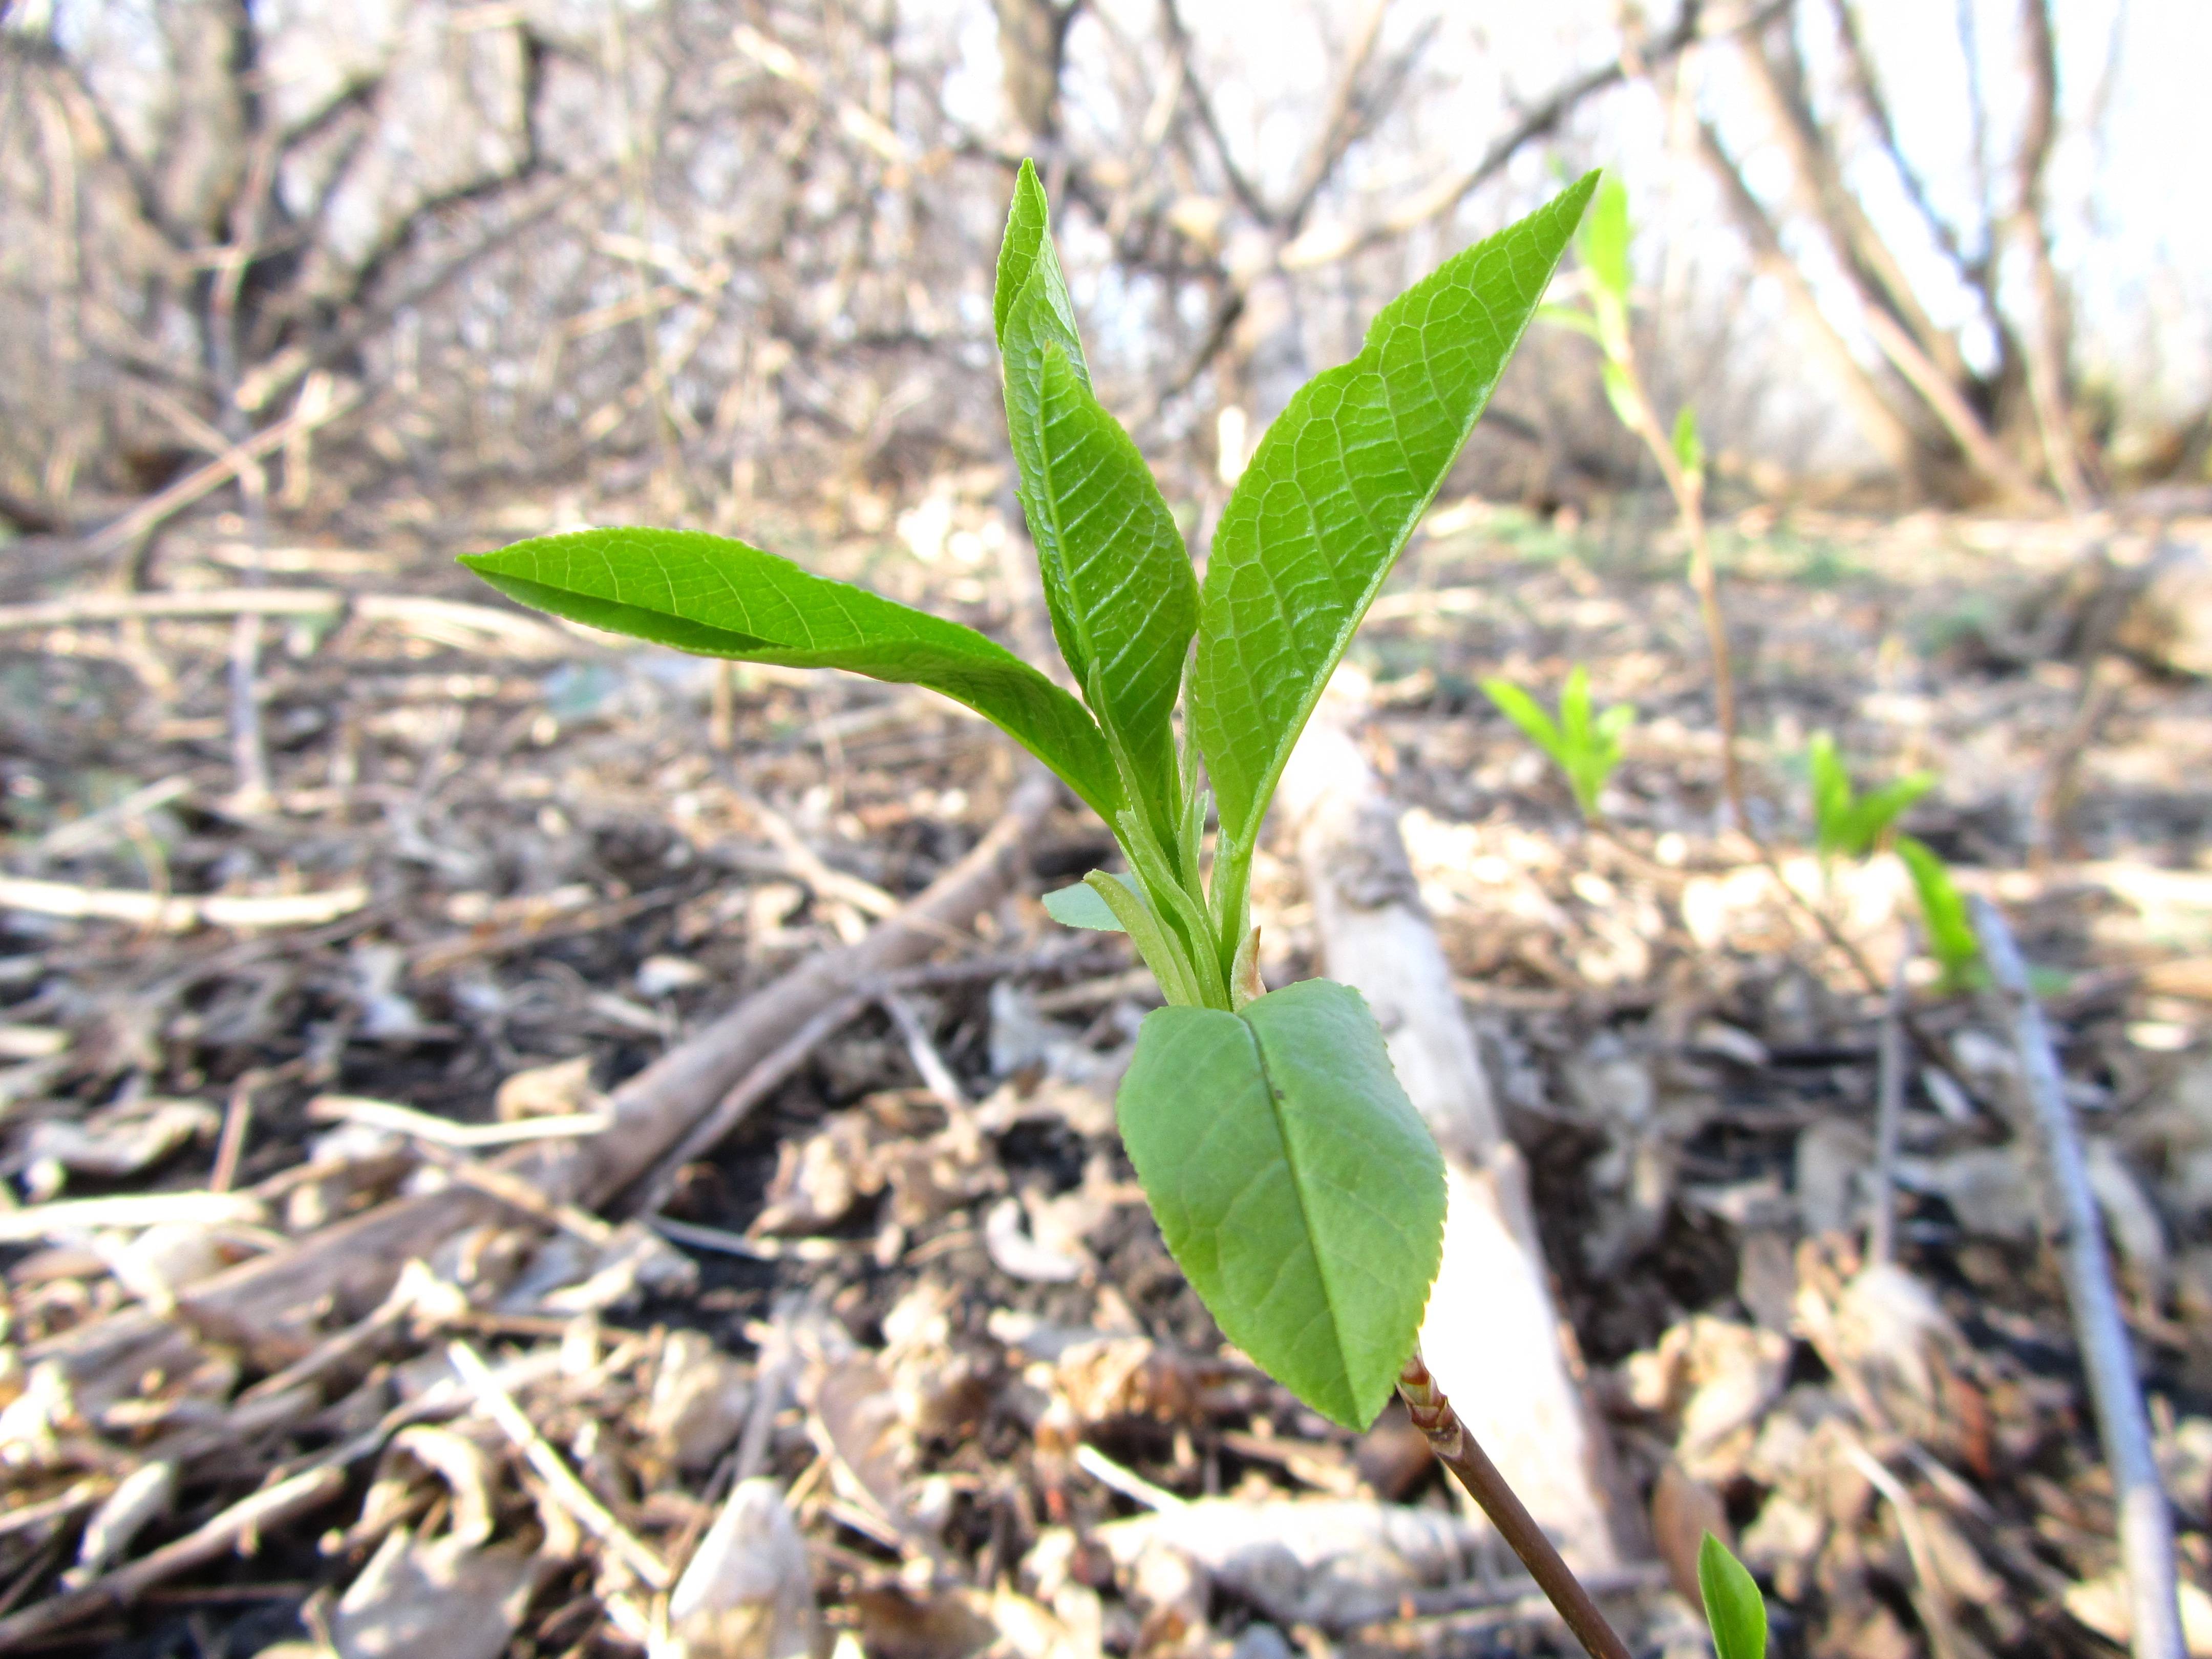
(1306, 1216)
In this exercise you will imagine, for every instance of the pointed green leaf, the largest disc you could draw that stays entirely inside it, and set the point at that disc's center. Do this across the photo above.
(1734, 1607)
(1831, 793)
(1575, 709)
(1117, 578)
(1525, 712)
(1333, 490)
(720, 598)
(1689, 447)
(1951, 938)
(1604, 239)
(1294, 1183)
(1080, 905)
(1870, 815)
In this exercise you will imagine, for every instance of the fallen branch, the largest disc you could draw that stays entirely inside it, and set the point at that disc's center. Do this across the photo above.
(171, 914)
(279, 1305)
(241, 1520)
(149, 514)
(2146, 1525)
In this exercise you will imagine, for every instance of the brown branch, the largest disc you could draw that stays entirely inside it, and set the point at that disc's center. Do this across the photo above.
(2046, 331)
(1538, 120)
(245, 1519)
(1201, 101)
(1458, 1451)
(150, 512)
(1777, 75)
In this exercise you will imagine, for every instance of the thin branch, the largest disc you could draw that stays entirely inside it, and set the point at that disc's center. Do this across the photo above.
(1458, 1451)
(245, 1519)
(2077, 1234)
(1201, 102)
(1889, 1119)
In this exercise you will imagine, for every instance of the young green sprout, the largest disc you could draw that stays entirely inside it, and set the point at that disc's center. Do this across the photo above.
(1846, 823)
(1294, 1181)
(1585, 748)
(1734, 1608)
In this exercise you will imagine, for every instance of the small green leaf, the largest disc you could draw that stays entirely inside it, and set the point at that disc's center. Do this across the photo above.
(1604, 240)
(1080, 905)
(1334, 489)
(1568, 318)
(1734, 1607)
(1117, 578)
(720, 598)
(1951, 939)
(1294, 1183)
(1689, 447)
(1585, 748)
(1872, 814)
(1525, 712)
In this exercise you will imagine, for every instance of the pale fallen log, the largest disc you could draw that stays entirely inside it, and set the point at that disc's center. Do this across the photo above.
(1492, 1336)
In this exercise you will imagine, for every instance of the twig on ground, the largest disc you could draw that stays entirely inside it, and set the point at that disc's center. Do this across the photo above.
(149, 514)
(765, 1077)
(174, 914)
(1932, 1602)
(248, 1518)
(68, 1217)
(1457, 1449)
(237, 1122)
(2146, 1525)
(936, 1075)
(1117, 1478)
(444, 1132)
(517, 1193)
(567, 1491)
(1889, 1116)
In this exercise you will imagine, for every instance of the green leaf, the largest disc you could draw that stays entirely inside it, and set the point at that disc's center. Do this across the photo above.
(1567, 317)
(1831, 793)
(1335, 487)
(1117, 578)
(1294, 1183)
(1734, 1607)
(1871, 815)
(722, 598)
(1689, 447)
(1525, 712)
(1951, 939)
(1604, 240)
(1080, 905)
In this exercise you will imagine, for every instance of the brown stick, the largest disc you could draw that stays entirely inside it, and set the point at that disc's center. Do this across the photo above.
(246, 1518)
(151, 512)
(1457, 1450)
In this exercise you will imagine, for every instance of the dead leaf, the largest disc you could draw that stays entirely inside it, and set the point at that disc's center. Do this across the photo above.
(447, 1597)
(555, 1091)
(748, 1592)
(700, 1400)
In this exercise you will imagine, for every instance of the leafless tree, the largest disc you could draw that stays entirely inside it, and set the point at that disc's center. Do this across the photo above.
(2009, 428)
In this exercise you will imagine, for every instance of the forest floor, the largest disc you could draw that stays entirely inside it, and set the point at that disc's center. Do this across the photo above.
(499, 866)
